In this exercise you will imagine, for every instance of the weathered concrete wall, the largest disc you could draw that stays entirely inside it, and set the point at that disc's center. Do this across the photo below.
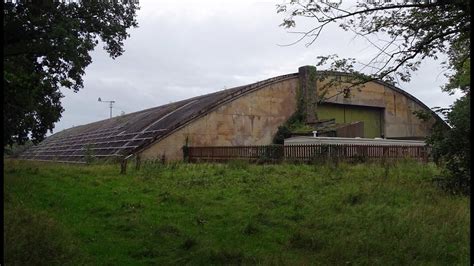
(252, 119)
(399, 120)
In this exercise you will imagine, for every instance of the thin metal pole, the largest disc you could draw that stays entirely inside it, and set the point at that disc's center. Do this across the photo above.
(111, 105)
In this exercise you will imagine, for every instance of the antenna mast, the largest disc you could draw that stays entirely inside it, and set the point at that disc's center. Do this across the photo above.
(111, 105)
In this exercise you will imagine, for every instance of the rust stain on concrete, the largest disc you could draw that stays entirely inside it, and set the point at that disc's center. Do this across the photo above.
(253, 119)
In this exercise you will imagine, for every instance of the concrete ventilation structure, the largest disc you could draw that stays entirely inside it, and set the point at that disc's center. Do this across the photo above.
(245, 115)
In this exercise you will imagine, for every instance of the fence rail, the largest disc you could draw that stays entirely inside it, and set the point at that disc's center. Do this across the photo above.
(306, 152)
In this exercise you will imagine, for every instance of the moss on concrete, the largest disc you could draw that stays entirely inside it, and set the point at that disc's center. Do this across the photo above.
(297, 122)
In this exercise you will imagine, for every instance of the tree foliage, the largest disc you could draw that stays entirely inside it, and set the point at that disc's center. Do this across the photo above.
(451, 148)
(404, 34)
(46, 47)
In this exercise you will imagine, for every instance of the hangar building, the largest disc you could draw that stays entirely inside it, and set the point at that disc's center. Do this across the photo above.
(245, 115)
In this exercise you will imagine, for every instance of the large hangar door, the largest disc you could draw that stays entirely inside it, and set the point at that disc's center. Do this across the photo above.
(371, 116)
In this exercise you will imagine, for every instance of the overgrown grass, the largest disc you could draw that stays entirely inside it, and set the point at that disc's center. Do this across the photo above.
(232, 214)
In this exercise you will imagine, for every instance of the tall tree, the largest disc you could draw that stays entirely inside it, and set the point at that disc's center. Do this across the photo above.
(46, 47)
(451, 148)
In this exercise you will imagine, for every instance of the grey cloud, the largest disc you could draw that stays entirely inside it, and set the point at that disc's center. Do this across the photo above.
(187, 48)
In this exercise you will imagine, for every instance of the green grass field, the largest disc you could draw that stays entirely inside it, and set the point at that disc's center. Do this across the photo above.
(201, 214)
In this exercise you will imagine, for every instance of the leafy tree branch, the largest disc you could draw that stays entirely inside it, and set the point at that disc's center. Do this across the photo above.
(46, 47)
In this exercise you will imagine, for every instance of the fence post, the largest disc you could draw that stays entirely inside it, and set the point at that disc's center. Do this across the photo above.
(425, 154)
(138, 162)
(123, 166)
(186, 153)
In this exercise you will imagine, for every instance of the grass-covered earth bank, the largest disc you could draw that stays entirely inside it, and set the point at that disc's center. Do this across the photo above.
(235, 213)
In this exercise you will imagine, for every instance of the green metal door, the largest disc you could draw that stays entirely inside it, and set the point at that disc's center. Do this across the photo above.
(330, 111)
(371, 116)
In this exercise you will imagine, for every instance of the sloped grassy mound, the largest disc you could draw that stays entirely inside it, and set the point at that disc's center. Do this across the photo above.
(232, 214)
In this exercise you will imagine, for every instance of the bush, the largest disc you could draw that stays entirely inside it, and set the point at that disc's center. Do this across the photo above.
(454, 179)
(283, 133)
(451, 148)
(272, 153)
(16, 150)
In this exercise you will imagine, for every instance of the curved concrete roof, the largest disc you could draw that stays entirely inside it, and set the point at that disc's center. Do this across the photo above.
(124, 135)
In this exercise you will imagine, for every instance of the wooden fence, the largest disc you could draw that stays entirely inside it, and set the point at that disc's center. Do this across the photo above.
(306, 153)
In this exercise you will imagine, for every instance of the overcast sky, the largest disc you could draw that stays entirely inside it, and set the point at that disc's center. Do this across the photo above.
(187, 48)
